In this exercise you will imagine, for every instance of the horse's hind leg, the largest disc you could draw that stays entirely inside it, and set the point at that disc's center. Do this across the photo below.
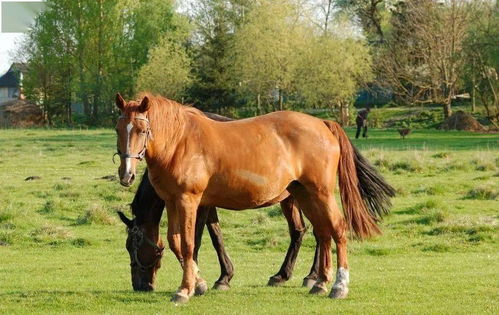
(320, 208)
(340, 287)
(226, 267)
(313, 275)
(296, 231)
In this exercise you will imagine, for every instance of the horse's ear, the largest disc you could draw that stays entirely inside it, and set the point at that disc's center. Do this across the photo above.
(145, 104)
(125, 220)
(120, 102)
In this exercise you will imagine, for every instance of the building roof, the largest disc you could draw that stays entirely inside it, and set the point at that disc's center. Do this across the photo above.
(11, 77)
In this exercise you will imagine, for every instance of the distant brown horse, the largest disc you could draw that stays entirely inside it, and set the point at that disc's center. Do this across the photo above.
(195, 161)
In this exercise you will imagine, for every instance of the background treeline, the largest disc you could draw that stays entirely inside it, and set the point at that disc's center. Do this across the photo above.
(247, 57)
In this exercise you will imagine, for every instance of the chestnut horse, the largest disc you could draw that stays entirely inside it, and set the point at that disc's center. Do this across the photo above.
(145, 245)
(194, 161)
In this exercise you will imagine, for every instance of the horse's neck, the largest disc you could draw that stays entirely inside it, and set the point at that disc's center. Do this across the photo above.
(167, 133)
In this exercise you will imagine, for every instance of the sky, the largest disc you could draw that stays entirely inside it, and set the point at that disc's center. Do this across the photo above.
(9, 40)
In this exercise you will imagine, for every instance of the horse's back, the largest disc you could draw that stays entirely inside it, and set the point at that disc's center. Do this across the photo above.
(257, 158)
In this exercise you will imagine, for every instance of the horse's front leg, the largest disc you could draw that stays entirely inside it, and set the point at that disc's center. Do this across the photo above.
(201, 220)
(186, 207)
(173, 234)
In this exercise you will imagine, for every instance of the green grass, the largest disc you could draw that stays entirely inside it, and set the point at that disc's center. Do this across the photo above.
(62, 247)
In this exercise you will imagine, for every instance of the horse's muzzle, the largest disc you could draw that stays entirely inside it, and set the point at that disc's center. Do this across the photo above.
(127, 180)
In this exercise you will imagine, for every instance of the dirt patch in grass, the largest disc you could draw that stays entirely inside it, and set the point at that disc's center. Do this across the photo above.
(462, 121)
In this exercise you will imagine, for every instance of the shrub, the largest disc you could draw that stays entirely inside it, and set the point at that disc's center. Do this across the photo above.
(48, 207)
(487, 192)
(50, 233)
(95, 215)
(439, 248)
(274, 212)
(433, 217)
(409, 166)
(440, 155)
(425, 207)
(437, 189)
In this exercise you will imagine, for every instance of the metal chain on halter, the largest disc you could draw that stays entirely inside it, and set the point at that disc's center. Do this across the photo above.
(138, 238)
(142, 152)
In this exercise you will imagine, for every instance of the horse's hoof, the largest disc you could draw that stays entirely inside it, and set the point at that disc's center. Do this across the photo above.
(276, 281)
(221, 286)
(318, 290)
(308, 283)
(180, 298)
(339, 293)
(201, 288)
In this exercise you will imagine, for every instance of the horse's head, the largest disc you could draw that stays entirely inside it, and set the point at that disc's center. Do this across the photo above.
(133, 132)
(145, 253)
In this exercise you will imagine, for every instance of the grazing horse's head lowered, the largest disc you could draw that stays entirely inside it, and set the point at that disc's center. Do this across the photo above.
(145, 255)
(134, 132)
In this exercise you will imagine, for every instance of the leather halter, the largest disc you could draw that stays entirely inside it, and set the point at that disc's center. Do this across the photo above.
(142, 152)
(138, 239)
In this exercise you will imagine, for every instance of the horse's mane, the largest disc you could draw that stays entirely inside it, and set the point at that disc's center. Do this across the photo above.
(163, 109)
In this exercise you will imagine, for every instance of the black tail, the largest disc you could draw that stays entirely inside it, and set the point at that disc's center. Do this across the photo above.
(374, 189)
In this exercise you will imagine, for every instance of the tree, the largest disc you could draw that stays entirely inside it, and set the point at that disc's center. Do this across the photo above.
(50, 71)
(266, 50)
(371, 14)
(423, 58)
(85, 51)
(483, 57)
(216, 23)
(167, 72)
(331, 72)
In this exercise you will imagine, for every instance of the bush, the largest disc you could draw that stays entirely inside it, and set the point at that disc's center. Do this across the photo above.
(95, 215)
(440, 155)
(50, 233)
(488, 192)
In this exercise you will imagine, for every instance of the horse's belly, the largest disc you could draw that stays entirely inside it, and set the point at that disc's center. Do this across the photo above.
(244, 190)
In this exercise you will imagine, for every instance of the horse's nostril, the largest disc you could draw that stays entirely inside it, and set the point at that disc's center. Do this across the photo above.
(132, 178)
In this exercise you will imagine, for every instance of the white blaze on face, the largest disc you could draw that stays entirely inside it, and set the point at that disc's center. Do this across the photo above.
(128, 161)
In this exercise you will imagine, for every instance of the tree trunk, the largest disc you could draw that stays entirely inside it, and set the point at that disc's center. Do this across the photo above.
(343, 107)
(82, 93)
(447, 109)
(473, 90)
(98, 86)
(280, 100)
(258, 105)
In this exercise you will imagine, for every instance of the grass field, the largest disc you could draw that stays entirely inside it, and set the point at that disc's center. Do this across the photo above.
(62, 246)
